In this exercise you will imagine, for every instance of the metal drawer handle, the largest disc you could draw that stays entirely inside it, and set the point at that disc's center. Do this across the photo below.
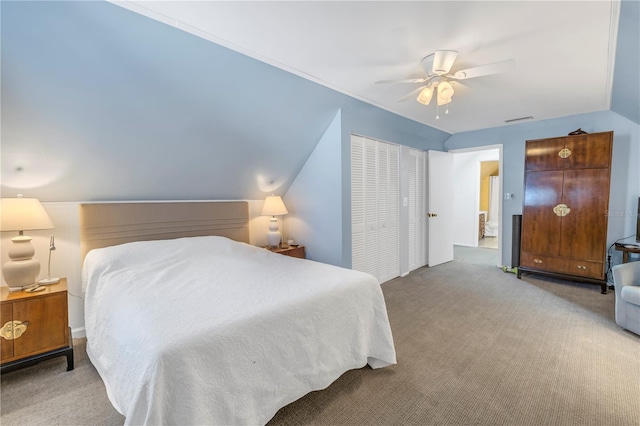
(537, 261)
(13, 329)
(582, 267)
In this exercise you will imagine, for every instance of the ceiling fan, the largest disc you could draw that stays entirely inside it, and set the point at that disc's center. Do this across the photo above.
(437, 67)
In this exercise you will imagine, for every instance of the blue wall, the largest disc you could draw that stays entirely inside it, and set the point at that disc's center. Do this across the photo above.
(625, 98)
(314, 200)
(100, 103)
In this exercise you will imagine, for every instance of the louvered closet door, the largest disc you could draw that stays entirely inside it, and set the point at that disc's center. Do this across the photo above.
(388, 211)
(417, 209)
(371, 207)
(357, 204)
(375, 207)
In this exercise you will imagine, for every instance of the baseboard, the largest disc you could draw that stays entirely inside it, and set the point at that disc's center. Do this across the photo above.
(404, 275)
(77, 333)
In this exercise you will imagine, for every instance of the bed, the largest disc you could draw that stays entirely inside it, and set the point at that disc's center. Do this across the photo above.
(186, 325)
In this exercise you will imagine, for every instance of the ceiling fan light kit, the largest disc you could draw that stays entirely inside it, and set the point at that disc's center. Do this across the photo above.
(424, 97)
(445, 92)
(437, 67)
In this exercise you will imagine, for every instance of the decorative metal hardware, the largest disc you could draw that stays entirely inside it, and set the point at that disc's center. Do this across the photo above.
(432, 214)
(564, 153)
(561, 210)
(537, 261)
(13, 329)
(582, 267)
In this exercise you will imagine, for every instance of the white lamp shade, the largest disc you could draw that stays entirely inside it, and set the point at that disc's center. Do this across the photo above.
(23, 214)
(445, 92)
(273, 206)
(425, 96)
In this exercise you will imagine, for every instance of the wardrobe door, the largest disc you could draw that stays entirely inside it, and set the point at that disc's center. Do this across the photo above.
(589, 151)
(584, 228)
(544, 154)
(540, 225)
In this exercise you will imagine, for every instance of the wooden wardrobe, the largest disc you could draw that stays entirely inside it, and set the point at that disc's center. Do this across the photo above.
(564, 216)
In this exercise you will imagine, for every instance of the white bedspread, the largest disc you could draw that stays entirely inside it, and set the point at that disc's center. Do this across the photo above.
(211, 331)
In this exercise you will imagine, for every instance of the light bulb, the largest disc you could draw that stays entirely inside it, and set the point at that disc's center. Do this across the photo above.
(425, 96)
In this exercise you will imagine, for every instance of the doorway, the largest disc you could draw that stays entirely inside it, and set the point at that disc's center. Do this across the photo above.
(477, 204)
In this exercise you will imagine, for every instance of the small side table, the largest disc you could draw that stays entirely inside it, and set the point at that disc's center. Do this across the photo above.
(293, 251)
(35, 327)
(626, 249)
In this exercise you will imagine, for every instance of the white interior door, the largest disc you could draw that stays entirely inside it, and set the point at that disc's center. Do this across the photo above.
(440, 207)
(417, 209)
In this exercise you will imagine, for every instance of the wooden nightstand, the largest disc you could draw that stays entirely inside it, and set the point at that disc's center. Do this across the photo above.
(35, 327)
(293, 251)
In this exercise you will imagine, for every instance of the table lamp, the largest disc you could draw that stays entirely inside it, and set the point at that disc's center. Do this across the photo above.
(273, 206)
(22, 214)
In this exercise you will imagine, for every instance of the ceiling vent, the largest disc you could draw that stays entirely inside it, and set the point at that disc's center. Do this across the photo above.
(519, 119)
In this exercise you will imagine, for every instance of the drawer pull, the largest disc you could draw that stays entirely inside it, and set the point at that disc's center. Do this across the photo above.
(582, 267)
(13, 329)
(537, 261)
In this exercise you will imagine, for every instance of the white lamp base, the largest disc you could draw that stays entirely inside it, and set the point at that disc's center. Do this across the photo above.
(274, 236)
(21, 270)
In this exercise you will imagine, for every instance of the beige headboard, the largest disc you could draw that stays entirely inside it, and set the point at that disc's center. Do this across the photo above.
(108, 224)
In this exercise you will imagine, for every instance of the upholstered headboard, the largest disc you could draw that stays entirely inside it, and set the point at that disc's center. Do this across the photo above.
(108, 224)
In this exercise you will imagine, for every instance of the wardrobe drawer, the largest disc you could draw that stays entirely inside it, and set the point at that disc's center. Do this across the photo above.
(545, 263)
(585, 268)
(582, 268)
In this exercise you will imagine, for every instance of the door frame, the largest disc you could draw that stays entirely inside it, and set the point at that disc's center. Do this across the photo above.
(500, 149)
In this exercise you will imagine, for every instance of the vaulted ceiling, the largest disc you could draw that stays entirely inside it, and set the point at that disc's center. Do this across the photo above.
(564, 52)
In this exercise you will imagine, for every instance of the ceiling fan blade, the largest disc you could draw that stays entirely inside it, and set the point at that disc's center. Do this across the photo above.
(495, 68)
(411, 94)
(405, 80)
(443, 61)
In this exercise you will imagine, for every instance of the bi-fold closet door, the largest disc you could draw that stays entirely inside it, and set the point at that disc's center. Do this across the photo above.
(417, 208)
(375, 200)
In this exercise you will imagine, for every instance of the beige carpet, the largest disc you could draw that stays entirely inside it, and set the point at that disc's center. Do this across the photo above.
(475, 346)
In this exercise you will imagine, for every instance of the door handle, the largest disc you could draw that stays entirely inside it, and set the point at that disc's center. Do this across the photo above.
(13, 329)
(561, 210)
(432, 214)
